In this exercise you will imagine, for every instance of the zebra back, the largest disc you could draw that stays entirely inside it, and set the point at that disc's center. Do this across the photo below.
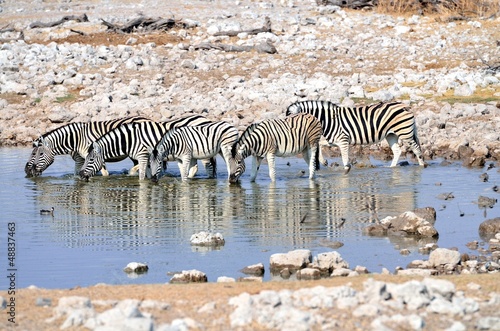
(359, 125)
(135, 139)
(287, 136)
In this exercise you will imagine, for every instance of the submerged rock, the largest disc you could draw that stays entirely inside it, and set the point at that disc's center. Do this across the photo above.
(136, 267)
(207, 239)
(489, 228)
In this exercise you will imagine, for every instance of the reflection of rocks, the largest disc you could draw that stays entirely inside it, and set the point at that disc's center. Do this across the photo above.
(308, 274)
(485, 202)
(189, 276)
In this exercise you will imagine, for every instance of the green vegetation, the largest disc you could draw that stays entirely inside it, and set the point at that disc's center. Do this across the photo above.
(66, 98)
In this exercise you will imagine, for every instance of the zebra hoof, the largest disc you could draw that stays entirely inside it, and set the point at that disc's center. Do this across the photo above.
(347, 169)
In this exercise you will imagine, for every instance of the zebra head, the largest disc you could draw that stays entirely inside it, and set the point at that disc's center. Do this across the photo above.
(41, 158)
(93, 162)
(30, 165)
(156, 156)
(236, 163)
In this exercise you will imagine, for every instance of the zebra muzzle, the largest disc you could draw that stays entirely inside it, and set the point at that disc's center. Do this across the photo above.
(84, 176)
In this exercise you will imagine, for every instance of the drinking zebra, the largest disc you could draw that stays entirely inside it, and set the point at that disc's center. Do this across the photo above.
(187, 144)
(134, 140)
(73, 139)
(299, 133)
(364, 125)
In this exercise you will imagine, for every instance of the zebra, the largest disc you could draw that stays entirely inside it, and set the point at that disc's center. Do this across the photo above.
(72, 139)
(364, 125)
(299, 133)
(187, 144)
(134, 140)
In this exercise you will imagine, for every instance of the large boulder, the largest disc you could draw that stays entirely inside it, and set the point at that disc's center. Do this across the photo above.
(411, 224)
(293, 260)
(489, 228)
(442, 256)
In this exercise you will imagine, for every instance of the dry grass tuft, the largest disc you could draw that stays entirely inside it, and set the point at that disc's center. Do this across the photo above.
(451, 8)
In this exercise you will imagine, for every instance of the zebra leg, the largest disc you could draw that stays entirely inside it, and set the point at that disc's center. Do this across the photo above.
(143, 164)
(415, 147)
(133, 170)
(311, 151)
(344, 152)
(193, 168)
(104, 171)
(184, 166)
(271, 163)
(392, 139)
(210, 167)
(255, 167)
(322, 159)
(227, 156)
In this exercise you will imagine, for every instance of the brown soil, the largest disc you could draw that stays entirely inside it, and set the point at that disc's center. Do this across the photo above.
(186, 300)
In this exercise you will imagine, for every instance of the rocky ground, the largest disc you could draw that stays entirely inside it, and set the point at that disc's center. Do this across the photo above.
(447, 70)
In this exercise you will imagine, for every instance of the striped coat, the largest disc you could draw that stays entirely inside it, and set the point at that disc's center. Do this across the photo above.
(268, 139)
(365, 125)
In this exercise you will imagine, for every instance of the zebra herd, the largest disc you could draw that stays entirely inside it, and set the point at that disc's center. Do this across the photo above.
(187, 139)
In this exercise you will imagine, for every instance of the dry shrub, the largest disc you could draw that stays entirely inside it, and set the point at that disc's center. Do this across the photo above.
(461, 8)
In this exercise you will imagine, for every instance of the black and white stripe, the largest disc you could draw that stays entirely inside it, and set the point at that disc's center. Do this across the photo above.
(188, 144)
(299, 133)
(133, 140)
(73, 139)
(344, 126)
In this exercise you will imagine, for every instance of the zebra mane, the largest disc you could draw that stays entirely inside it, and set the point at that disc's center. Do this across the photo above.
(248, 131)
(251, 128)
(46, 134)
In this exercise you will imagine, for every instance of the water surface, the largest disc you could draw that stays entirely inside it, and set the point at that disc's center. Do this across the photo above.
(100, 226)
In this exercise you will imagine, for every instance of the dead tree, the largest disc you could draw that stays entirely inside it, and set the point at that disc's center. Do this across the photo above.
(265, 28)
(82, 18)
(144, 23)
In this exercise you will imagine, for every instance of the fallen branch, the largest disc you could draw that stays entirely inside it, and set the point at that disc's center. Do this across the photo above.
(82, 18)
(81, 33)
(148, 24)
(265, 28)
(353, 4)
(261, 48)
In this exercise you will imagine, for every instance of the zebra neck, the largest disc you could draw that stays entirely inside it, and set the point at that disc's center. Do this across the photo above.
(64, 140)
(118, 142)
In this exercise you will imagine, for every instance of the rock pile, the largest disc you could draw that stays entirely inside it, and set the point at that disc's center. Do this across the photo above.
(379, 305)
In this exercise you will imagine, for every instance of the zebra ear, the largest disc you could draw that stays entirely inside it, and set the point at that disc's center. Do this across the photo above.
(96, 147)
(41, 141)
(160, 149)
